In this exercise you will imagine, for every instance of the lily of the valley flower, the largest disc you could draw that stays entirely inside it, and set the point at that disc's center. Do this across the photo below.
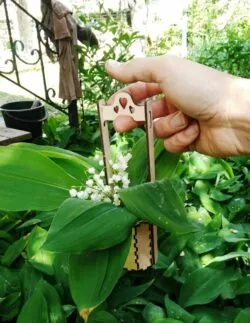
(95, 187)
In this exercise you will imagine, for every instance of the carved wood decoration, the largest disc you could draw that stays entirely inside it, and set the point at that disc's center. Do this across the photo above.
(143, 251)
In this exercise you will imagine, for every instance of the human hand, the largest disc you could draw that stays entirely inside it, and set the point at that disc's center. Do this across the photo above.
(201, 108)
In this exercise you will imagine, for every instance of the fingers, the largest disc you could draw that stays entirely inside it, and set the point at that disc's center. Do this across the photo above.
(148, 69)
(159, 108)
(139, 91)
(182, 140)
(171, 124)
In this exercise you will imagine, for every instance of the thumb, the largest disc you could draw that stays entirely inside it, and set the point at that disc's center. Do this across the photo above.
(148, 69)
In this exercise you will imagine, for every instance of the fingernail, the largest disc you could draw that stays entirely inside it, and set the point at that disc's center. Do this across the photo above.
(191, 130)
(178, 120)
(112, 64)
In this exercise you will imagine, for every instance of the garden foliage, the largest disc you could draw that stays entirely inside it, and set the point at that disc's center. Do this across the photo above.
(62, 259)
(66, 255)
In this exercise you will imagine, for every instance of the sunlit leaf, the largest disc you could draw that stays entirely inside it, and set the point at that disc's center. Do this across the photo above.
(81, 225)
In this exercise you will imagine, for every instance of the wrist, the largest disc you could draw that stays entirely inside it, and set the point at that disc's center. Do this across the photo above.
(240, 113)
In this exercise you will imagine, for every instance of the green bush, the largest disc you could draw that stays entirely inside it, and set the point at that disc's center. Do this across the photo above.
(115, 42)
(228, 51)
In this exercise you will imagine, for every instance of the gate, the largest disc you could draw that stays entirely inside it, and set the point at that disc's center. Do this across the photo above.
(17, 48)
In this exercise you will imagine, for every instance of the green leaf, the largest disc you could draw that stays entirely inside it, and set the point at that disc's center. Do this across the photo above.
(229, 256)
(158, 203)
(81, 225)
(97, 273)
(168, 320)
(9, 306)
(29, 280)
(138, 167)
(207, 314)
(171, 247)
(201, 215)
(204, 242)
(165, 163)
(243, 316)
(35, 310)
(204, 285)
(6, 236)
(9, 282)
(55, 311)
(74, 164)
(14, 251)
(126, 294)
(101, 317)
(40, 259)
(243, 286)
(61, 270)
(31, 181)
(175, 311)
(29, 223)
(236, 204)
(219, 196)
(152, 313)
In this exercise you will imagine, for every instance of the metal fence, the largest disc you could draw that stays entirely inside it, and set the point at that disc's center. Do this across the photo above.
(36, 56)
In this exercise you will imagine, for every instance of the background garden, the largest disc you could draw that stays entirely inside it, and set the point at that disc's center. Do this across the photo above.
(62, 258)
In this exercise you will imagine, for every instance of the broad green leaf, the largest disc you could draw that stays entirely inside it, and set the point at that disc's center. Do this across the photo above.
(68, 309)
(96, 273)
(152, 313)
(230, 255)
(201, 215)
(9, 306)
(10, 294)
(29, 223)
(35, 310)
(14, 251)
(126, 294)
(205, 314)
(102, 317)
(236, 204)
(31, 181)
(51, 296)
(72, 163)
(243, 316)
(235, 233)
(219, 196)
(204, 285)
(210, 205)
(81, 225)
(205, 242)
(168, 320)
(158, 203)
(165, 163)
(29, 280)
(227, 167)
(171, 247)
(6, 236)
(202, 188)
(46, 218)
(39, 258)
(175, 311)
(9, 282)
(61, 270)
(243, 286)
(138, 165)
